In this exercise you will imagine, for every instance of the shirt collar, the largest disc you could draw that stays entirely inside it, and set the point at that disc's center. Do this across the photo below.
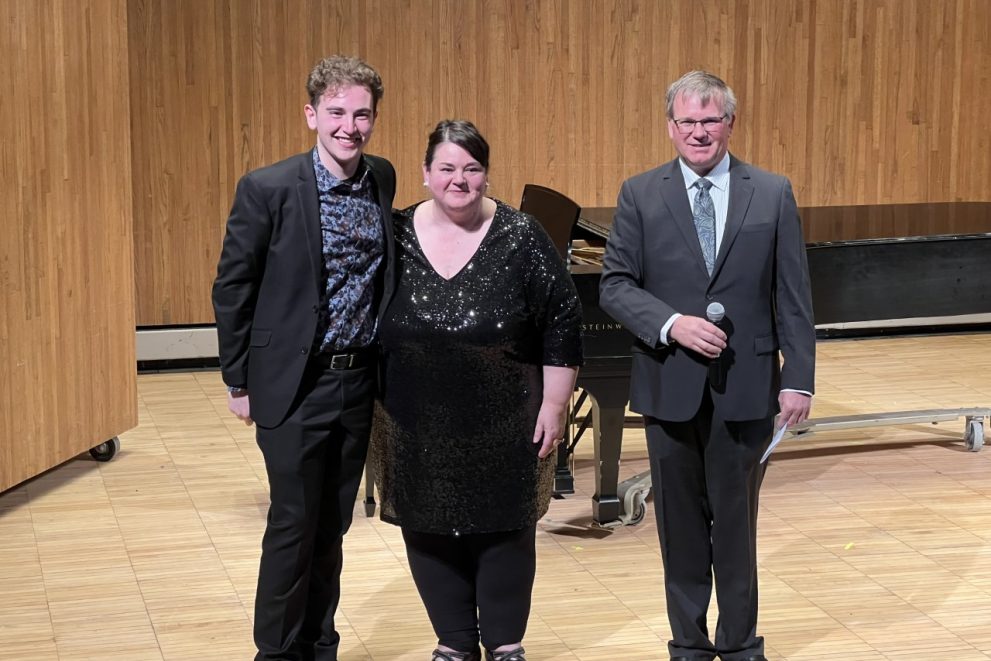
(719, 175)
(325, 176)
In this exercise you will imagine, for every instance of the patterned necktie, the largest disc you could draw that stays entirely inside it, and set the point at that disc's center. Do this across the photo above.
(704, 216)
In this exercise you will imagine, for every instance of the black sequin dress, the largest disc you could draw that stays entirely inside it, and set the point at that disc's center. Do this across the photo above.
(463, 368)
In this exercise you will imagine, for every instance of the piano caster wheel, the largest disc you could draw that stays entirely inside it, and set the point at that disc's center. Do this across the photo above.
(634, 507)
(633, 494)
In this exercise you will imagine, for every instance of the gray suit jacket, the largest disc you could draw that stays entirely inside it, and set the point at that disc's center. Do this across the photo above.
(653, 268)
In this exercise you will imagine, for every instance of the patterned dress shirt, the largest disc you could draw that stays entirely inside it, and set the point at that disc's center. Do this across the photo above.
(353, 247)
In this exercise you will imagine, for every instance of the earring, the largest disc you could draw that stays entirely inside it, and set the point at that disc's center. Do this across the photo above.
(425, 184)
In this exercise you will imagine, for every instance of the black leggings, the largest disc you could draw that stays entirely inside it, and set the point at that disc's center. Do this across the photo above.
(475, 586)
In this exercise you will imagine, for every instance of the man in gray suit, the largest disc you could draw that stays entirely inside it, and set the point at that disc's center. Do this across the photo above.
(702, 229)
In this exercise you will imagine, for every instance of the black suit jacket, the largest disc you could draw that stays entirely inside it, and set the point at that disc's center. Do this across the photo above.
(653, 268)
(267, 290)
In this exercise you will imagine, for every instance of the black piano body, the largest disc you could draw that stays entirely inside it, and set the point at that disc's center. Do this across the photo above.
(606, 378)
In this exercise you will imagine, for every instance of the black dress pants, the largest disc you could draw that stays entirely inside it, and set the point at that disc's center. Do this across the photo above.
(475, 587)
(314, 461)
(706, 476)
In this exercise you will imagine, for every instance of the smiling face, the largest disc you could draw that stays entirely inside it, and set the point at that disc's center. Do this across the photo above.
(455, 179)
(343, 119)
(703, 147)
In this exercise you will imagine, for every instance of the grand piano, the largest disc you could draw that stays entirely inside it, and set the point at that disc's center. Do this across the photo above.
(863, 283)
(605, 381)
(605, 377)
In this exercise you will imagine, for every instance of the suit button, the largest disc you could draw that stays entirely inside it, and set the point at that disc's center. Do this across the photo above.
(302, 349)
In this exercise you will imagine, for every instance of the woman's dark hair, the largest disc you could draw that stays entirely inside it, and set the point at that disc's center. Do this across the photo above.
(459, 132)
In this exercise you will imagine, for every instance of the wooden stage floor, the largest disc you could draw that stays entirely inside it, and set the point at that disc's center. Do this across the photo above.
(874, 543)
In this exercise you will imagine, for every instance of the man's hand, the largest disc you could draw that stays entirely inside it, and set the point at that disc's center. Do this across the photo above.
(240, 406)
(550, 427)
(699, 335)
(795, 407)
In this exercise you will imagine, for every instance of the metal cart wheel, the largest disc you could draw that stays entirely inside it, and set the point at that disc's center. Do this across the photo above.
(973, 435)
(105, 451)
(635, 507)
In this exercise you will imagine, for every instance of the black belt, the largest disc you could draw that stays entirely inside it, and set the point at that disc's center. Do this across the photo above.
(346, 359)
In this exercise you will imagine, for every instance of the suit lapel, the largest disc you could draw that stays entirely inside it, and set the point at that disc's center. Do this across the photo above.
(741, 190)
(675, 196)
(309, 203)
(384, 201)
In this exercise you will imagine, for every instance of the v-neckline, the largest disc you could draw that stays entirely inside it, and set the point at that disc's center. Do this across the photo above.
(464, 267)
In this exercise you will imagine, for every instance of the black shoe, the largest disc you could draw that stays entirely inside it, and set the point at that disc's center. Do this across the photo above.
(517, 654)
(441, 655)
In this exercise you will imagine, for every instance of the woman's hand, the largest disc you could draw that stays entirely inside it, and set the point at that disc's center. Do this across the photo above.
(559, 383)
(550, 428)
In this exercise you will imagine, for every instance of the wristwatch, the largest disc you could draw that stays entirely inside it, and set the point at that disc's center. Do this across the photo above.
(237, 390)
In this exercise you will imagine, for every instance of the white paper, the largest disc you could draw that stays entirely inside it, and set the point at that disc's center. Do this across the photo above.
(778, 435)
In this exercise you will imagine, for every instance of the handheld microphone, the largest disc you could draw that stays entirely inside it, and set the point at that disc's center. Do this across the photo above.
(715, 313)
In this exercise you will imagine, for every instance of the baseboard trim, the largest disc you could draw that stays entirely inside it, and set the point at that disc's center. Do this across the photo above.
(177, 344)
(197, 346)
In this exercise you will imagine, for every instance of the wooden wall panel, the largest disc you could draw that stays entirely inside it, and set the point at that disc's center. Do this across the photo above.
(67, 381)
(185, 150)
(860, 102)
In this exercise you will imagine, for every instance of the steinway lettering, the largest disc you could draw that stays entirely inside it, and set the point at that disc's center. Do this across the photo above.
(601, 327)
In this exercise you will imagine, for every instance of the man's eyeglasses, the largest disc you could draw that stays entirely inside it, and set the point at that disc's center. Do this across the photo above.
(709, 124)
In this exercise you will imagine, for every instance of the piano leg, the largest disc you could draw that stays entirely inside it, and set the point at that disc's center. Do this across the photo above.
(564, 471)
(369, 489)
(564, 475)
(607, 429)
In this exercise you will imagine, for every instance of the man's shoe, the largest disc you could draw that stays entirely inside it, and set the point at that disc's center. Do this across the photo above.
(759, 657)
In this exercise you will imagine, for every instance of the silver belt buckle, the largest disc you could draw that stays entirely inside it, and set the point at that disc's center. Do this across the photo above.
(341, 361)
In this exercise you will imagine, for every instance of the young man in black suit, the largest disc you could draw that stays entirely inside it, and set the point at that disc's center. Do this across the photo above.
(306, 267)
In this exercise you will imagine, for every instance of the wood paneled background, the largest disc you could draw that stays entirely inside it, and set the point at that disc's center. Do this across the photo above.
(67, 364)
(860, 102)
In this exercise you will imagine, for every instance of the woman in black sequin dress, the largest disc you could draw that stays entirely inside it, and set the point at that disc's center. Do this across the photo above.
(481, 345)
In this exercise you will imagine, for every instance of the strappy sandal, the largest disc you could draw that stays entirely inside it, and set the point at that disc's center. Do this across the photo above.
(441, 655)
(518, 654)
